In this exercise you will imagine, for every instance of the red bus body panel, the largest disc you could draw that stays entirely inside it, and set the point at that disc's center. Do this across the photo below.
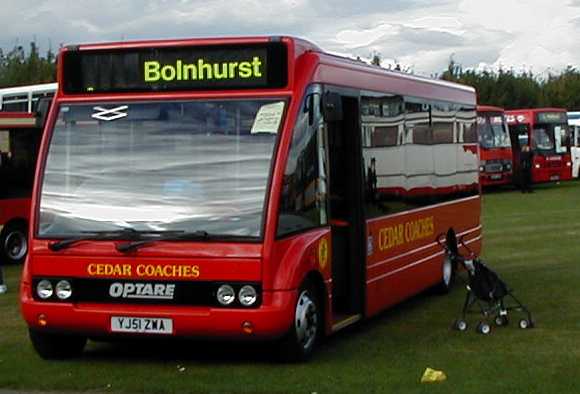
(545, 168)
(280, 265)
(403, 264)
(15, 208)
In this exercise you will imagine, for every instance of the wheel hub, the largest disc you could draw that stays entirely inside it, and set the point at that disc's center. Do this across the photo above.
(16, 245)
(306, 321)
(447, 271)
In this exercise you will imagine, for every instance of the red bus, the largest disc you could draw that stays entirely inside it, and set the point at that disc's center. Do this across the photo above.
(495, 151)
(19, 141)
(221, 188)
(547, 133)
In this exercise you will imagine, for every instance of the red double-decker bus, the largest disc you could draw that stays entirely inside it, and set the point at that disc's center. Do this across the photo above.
(19, 141)
(224, 188)
(495, 150)
(547, 133)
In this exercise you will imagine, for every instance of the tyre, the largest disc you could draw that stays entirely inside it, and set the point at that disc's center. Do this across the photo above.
(14, 243)
(57, 346)
(300, 341)
(483, 328)
(525, 324)
(460, 325)
(501, 320)
(447, 276)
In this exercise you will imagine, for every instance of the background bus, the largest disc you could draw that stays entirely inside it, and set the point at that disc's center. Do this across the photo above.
(495, 150)
(574, 123)
(25, 98)
(19, 141)
(240, 206)
(546, 131)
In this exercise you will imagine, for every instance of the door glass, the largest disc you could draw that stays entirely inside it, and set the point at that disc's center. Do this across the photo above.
(304, 188)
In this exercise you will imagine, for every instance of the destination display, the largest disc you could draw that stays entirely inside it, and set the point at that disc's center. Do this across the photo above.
(255, 66)
(551, 117)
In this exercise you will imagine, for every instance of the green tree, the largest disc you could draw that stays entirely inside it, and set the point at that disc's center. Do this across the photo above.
(19, 68)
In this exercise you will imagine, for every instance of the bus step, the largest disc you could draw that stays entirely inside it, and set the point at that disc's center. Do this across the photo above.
(342, 321)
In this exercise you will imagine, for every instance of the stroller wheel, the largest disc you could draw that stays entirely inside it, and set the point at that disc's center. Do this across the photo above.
(501, 320)
(525, 323)
(460, 325)
(483, 328)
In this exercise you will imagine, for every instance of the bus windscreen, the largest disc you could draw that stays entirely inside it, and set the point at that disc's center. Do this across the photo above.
(163, 166)
(255, 66)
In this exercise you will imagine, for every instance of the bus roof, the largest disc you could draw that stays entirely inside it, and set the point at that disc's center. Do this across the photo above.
(489, 108)
(353, 73)
(306, 63)
(535, 110)
(44, 87)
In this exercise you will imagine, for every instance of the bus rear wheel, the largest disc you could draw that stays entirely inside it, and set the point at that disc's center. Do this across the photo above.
(447, 276)
(51, 346)
(304, 333)
(14, 243)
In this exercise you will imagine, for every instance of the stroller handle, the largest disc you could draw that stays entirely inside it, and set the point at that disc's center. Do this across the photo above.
(442, 242)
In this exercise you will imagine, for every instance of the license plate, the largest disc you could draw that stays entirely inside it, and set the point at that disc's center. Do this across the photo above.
(496, 177)
(143, 325)
(555, 177)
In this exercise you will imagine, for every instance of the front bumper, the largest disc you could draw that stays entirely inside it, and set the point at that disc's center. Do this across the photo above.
(271, 320)
(491, 179)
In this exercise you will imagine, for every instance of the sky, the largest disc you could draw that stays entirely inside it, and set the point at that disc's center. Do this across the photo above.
(421, 35)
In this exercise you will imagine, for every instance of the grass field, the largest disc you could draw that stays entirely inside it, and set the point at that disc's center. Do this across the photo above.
(532, 240)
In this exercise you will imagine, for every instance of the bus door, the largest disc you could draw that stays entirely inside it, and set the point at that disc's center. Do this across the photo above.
(575, 151)
(520, 136)
(345, 209)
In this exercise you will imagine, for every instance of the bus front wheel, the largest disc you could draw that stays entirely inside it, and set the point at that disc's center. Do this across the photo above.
(304, 333)
(51, 346)
(14, 243)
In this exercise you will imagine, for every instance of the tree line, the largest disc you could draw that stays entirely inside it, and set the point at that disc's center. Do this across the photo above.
(504, 88)
(19, 67)
(511, 90)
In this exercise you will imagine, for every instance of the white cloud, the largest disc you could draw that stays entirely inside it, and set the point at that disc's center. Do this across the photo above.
(420, 33)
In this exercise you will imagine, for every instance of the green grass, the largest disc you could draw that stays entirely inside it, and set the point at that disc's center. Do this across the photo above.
(532, 240)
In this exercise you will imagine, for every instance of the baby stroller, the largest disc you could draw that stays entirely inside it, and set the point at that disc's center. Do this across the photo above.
(486, 292)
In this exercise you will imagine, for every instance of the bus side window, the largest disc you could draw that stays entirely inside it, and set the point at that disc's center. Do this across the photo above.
(303, 198)
(383, 136)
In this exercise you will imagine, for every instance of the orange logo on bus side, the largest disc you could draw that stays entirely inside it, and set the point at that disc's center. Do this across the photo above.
(403, 233)
(144, 270)
(323, 253)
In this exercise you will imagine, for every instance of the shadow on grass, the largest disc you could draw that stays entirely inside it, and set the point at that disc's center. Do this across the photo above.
(155, 350)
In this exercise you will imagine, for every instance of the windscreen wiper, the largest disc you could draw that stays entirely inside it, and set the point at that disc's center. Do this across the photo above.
(199, 235)
(194, 236)
(124, 233)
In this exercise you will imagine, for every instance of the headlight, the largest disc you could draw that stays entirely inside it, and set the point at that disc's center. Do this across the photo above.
(63, 289)
(508, 166)
(569, 164)
(44, 289)
(247, 295)
(481, 168)
(537, 166)
(226, 295)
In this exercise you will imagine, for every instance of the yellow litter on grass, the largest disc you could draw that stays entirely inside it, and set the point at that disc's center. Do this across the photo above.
(432, 375)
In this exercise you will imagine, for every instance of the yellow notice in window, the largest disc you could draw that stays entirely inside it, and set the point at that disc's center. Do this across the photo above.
(268, 118)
